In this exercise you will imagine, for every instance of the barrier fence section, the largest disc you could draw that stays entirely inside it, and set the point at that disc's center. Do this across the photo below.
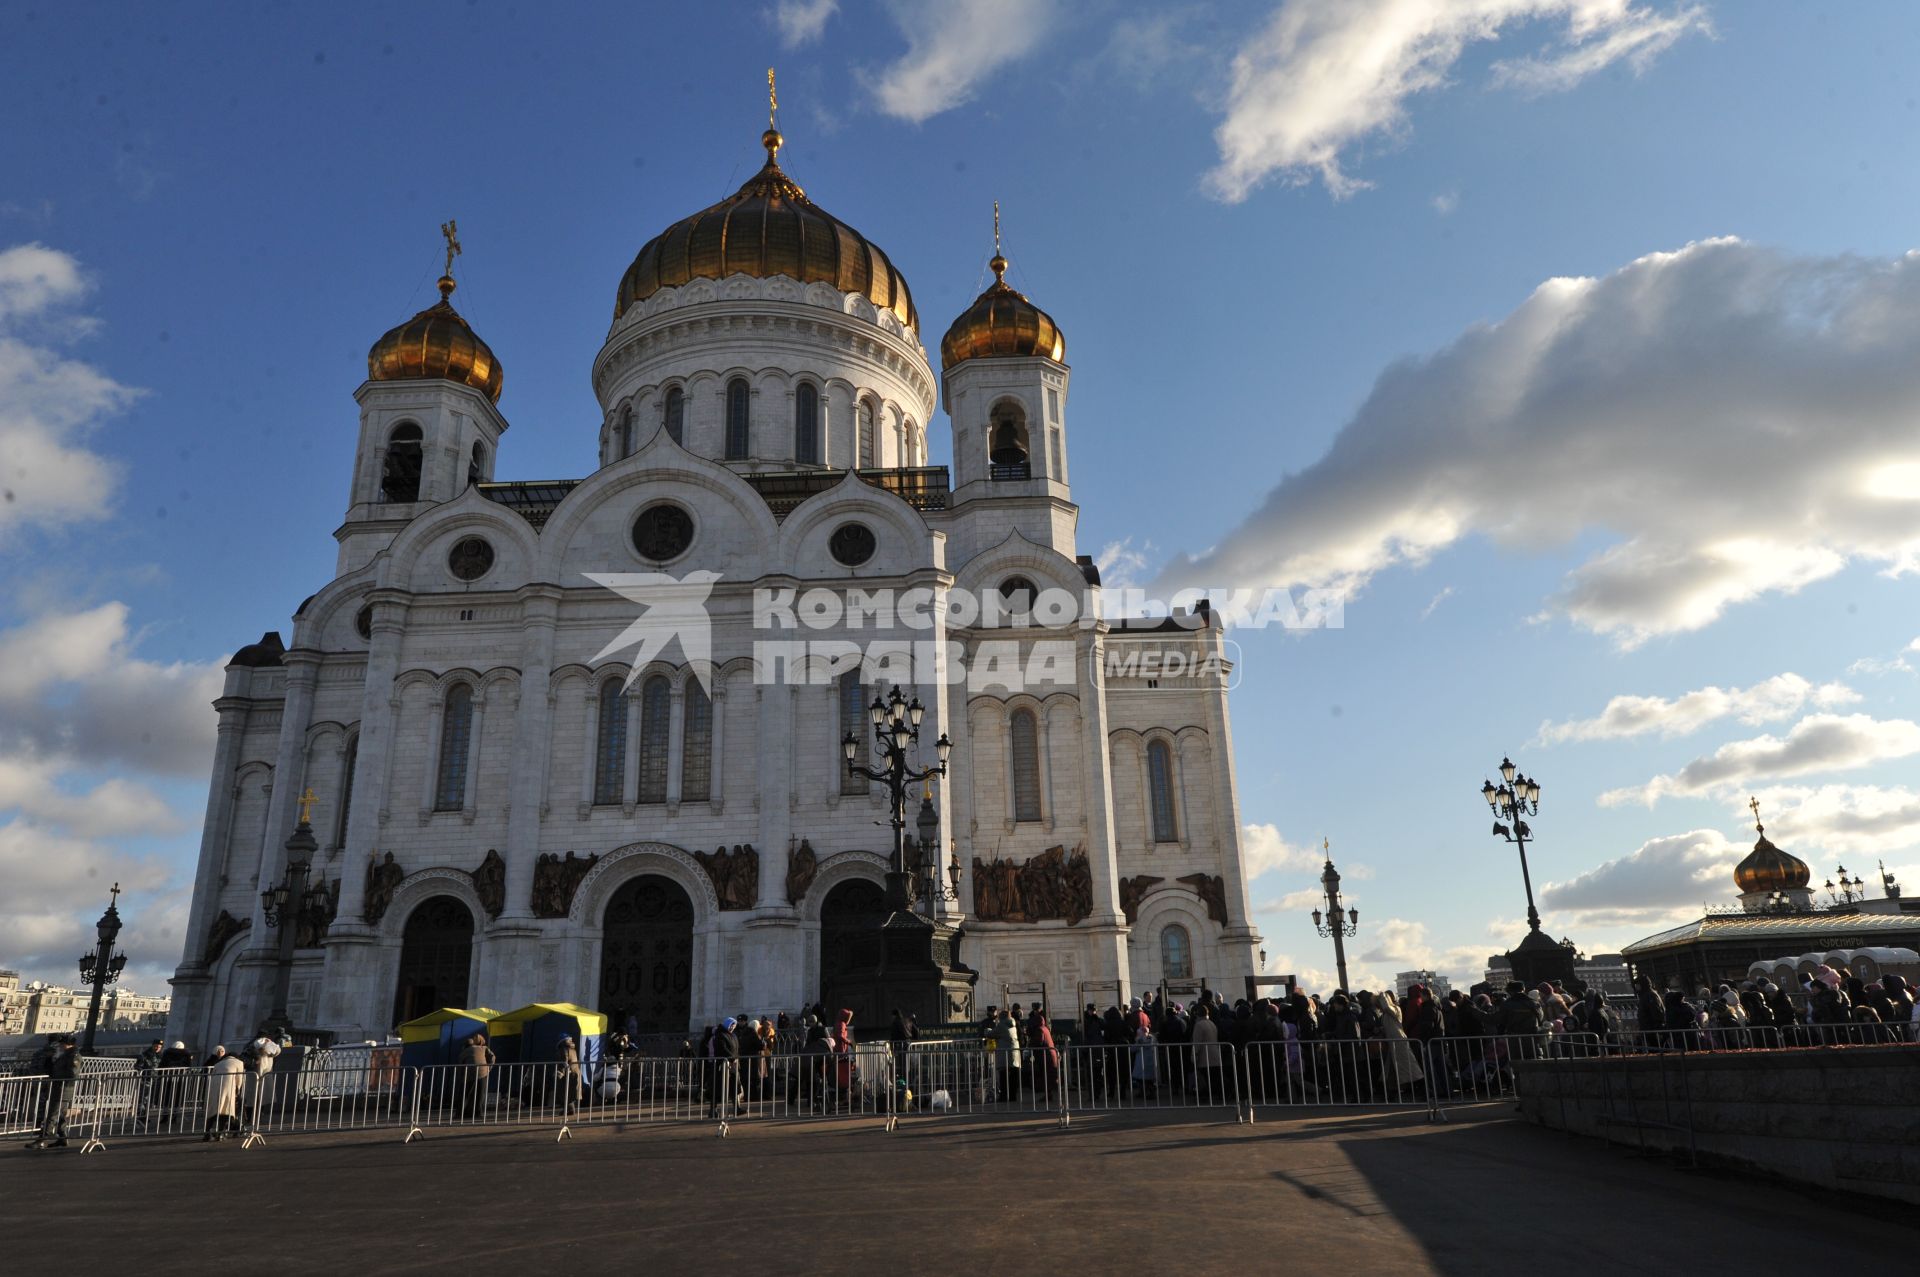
(1152, 1075)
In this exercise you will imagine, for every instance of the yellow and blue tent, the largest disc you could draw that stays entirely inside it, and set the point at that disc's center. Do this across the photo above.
(436, 1037)
(532, 1034)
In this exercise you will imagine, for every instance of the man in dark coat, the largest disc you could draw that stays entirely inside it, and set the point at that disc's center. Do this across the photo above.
(724, 1052)
(59, 1065)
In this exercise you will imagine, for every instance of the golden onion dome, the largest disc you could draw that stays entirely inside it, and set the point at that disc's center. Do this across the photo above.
(768, 227)
(1001, 324)
(1767, 868)
(437, 342)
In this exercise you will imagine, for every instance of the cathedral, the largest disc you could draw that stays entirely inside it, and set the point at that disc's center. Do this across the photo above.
(513, 801)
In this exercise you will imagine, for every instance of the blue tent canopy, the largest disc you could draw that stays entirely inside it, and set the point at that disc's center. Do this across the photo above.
(436, 1037)
(532, 1034)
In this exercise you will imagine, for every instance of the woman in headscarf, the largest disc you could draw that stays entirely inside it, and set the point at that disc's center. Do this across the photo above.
(1043, 1057)
(1398, 1066)
(842, 1039)
(225, 1074)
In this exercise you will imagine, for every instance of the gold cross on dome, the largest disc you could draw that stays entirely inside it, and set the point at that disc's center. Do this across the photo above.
(305, 802)
(450, 229)
(996, 228)
(115, 894)
(1754, 804)
(773, 99)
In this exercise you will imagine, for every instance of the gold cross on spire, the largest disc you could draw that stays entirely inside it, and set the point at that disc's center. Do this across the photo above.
(996, 228)
(305, 802)
(1754, 804)
(1326, 845)
(773, 100)
(451, 230)
(115, 894)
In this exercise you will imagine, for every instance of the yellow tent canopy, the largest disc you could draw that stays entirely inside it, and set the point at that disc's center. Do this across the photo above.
(429, 1027)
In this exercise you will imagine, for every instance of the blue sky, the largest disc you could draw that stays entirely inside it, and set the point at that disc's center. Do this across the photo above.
(1298, 252)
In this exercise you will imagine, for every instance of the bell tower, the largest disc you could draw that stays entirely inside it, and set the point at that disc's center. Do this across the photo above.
(430, 426)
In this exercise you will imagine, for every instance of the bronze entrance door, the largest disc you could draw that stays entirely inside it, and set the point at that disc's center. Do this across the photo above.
(646, 956)
(436, 958)
(850, 956)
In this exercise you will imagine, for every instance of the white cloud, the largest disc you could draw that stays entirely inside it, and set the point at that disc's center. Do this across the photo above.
(1263, 850)
(952, 47)
(1397, 941)
(1818, 822)
(1323, 76)
(54, 882)
(802, 21)
(1434, 603)
(72, 687)
(32, 788)
(48, 403)
(1445, 202)
(1817, 743)
(1770, 700)
(1683, 406)
(1663, 877)
(1304, 900)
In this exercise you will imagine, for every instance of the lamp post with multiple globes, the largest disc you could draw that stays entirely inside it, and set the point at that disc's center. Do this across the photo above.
(896, 729)
(1337, 926)
(287, 903)
(103, 966)
(1538, 957)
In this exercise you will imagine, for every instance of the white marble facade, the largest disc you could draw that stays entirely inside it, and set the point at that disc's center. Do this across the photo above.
(356, 706)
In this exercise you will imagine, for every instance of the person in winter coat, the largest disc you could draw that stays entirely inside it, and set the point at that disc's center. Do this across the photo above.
(1400, 1067)
(1205, 1035)
(176, 1057)
(723, 1062)
(1043, 1058)
(225, 1075)
(478, 1059)
(1682, 1022)
(1653, 1015)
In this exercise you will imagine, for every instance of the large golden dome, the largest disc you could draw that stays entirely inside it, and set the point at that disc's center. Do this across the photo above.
(437, 342)
(1002, 323)
(768, 227)
(1767, 868)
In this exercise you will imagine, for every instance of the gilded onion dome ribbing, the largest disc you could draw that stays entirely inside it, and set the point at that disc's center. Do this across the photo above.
(768, 227)
(1002, 323)
(1767, 868)
(437, 342)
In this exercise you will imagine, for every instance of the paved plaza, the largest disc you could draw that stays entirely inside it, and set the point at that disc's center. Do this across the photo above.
(1352, 1194)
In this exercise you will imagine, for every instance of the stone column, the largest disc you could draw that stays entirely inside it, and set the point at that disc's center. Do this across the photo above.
(676, 743)
(192, 982)
(1239, 933)
(289, 778)
(778, 741)
(532, 732)
(1108, 955)
(349, 1000)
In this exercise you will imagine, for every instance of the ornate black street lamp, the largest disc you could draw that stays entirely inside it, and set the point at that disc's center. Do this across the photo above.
(103, 966)
(1849, 889)
(1516, 797)
(287, 903)
(896, 729)
(1336, 925)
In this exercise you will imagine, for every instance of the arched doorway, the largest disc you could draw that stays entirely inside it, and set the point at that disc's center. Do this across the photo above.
(646, 956)
(850, 953)
(436, 958)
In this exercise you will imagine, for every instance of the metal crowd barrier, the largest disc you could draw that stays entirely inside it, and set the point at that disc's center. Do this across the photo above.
(1151, 1075)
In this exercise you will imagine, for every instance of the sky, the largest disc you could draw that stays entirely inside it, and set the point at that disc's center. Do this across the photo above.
(1574, 343)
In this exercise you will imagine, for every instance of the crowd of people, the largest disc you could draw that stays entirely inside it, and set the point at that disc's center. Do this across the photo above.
(235, 1085)
(1834, 1006)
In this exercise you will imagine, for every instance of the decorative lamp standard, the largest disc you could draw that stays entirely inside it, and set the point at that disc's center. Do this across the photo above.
(287, 903)
(1335, 925)
(1517, 797)
(896, 729)
(103, 966)
(1849, 890)
(1538, 957)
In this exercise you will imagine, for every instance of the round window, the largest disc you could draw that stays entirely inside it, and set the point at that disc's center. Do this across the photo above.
(470, 559)
(662, 532)
(363, 623)
(852, 544)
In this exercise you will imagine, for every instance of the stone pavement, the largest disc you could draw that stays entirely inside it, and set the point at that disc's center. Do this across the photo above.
(1351, 1194)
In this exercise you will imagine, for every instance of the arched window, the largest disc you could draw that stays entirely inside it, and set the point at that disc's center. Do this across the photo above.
(400, 475)
(610, 745)
(806, 424)
(1007, 454)
(656, 697)
(1176, 953)
(623, 445)
(1025, 731)
(346, 788)
(737, 419)
(1017, 594)
(676, 414)
(696, 751)
(477, 465)
(456, 737)
(853, 720)
(1160, 787)
(866, 434)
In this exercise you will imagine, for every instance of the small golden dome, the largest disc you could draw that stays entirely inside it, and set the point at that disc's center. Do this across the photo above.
(437, 342)
(1000, 324)
(1767, 868)
(768, 227)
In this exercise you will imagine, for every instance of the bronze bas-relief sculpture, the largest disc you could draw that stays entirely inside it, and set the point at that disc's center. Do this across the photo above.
(1053, 884)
